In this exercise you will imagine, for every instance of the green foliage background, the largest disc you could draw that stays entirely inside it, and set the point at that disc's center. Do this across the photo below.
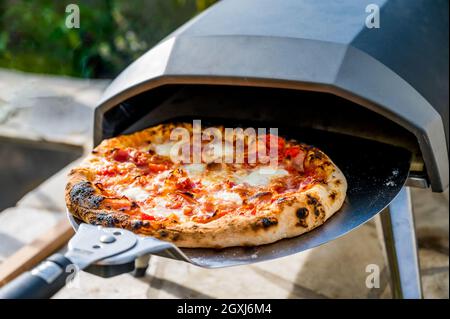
(112, 33)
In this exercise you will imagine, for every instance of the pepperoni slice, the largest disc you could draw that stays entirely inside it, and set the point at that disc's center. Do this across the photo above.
(184, 184)
(147, 217)
(155, 168)
(292, 151)
(279, 141)
(121, 155)
(140, 159)
(110, 171)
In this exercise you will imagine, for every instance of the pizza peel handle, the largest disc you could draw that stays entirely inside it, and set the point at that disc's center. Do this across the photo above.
(41, 282)
(89, 245)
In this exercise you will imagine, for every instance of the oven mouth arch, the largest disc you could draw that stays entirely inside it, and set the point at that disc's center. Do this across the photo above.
(292, 63)
(307, 108)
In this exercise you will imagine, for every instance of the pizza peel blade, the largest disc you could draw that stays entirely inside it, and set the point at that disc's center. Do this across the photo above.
(375, 173)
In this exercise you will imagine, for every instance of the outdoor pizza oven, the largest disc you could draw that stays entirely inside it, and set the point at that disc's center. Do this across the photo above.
(309, 65)
(374, 99)
(300, 63)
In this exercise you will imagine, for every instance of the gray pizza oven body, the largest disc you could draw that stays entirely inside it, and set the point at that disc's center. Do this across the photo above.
(306, 63)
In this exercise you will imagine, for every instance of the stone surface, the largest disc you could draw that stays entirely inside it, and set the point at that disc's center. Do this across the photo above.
(50, 194)
(434, 271)
(432, 219)
(20, 225)
(48, 108)
(333, 270)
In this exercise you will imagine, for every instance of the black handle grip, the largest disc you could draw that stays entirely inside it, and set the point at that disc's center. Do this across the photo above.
(42, 282)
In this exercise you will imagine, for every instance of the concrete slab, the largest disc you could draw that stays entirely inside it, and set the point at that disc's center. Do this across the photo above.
(43, 107)
(435, 280)
(50, 194)
(20, 226)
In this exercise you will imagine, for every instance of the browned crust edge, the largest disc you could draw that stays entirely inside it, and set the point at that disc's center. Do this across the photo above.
(292, 216)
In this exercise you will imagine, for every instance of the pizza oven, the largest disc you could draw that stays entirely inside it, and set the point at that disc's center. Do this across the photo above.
(309, 65)
(377, 97)
(303, 64)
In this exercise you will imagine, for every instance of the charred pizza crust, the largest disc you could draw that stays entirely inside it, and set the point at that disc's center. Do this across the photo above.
(287, 217)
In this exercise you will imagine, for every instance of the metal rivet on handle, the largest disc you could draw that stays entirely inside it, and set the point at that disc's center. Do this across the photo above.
(107, 239)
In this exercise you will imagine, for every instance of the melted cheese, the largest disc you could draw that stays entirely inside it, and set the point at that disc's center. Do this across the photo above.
(218, 150)
(134, 193)
(158, 181)
(161, 211)
(262, 176)
(164, 149)
(216, 177)
(194, 170)
(228, 197)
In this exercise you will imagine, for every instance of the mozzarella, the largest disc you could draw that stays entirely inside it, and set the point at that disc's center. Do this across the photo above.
(218, 150)
(194, 170)
(164, 212)
(228, 197)
(134, 193)
(164, 149)
(161, 211)
(216, 177)
(158, 181)
(262, 176)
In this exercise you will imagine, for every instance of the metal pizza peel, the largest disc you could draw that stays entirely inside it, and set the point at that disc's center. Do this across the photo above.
(375, 173)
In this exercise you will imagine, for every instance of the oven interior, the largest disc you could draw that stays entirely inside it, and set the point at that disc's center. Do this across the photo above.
(263, 107)
(348, 133)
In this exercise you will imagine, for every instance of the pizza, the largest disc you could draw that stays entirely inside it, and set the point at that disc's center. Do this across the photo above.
(133, 182)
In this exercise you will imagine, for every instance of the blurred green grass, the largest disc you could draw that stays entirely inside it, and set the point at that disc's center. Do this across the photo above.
(112, 33)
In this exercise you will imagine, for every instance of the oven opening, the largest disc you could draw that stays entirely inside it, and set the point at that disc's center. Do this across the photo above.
(237, 105)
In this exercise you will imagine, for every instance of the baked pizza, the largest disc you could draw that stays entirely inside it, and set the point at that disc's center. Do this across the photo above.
(134, 182)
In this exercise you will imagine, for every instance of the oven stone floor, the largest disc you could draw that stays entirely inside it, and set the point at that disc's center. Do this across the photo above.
(334, 270)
